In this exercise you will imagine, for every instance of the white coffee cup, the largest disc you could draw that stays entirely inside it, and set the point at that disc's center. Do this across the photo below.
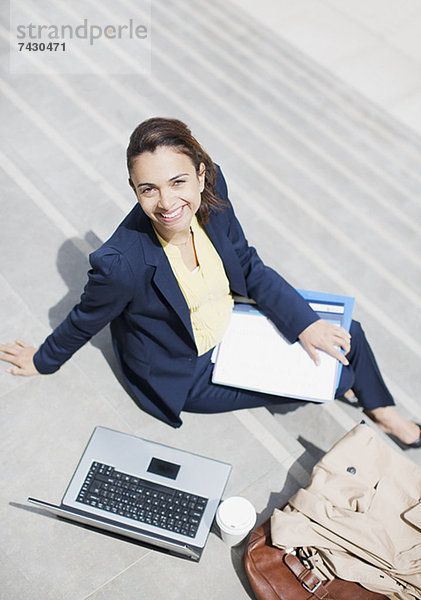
(235, 517)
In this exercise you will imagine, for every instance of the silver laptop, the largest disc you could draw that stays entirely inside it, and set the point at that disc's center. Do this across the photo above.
(144, 490)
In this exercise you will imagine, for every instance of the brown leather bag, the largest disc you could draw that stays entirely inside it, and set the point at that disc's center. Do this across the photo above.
(277, 575)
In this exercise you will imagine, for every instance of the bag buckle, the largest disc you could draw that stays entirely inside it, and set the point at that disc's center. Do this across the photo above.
(315, 587)
(318, 582)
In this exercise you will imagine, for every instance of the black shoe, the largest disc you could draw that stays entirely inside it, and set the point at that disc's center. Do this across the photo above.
(416, 444)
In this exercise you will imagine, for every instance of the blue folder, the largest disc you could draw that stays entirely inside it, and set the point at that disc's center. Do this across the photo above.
(332, 303)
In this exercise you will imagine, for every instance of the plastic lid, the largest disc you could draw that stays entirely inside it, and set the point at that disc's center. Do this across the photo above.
(236, 513)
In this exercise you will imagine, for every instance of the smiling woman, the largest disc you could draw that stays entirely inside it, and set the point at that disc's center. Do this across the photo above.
(170, 201)
(165, 280)
(162, 134)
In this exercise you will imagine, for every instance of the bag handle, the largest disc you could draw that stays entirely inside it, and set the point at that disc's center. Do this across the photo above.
(310, 582)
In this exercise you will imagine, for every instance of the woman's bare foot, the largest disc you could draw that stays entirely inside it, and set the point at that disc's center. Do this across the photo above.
(351, 397)
(390, 421)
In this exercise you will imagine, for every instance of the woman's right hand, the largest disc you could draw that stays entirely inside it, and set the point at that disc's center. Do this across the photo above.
(21, 356)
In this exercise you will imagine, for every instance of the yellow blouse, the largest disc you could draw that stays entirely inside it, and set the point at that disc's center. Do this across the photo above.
(205, 289)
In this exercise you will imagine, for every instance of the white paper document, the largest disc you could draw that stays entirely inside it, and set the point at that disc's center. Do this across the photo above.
(254, 355)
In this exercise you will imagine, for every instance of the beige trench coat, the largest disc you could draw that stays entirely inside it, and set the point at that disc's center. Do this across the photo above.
(363, 502)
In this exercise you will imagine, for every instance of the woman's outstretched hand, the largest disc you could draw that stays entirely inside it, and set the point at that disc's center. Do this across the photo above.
(20, 355)
(322, 335)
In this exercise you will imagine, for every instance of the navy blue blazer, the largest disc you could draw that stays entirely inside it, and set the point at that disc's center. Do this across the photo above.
(131, 286)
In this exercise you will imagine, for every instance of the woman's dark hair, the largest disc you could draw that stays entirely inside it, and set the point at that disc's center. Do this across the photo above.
(158, 131)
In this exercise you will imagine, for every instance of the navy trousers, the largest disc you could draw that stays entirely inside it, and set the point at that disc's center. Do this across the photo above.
(362, 375)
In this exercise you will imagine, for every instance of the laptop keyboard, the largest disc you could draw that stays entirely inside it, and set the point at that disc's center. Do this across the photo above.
(140, 500)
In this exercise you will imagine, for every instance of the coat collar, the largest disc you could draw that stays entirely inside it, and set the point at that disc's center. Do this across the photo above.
(229, 257)
(164, 278)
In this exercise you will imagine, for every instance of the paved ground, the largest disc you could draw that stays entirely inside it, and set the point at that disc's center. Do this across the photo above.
(371, 45)
(327, 187)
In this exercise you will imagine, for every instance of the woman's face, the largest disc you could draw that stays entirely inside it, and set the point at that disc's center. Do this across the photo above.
(168, 190)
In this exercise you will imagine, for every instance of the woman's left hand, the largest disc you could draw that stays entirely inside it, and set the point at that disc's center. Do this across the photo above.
(322, 335)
